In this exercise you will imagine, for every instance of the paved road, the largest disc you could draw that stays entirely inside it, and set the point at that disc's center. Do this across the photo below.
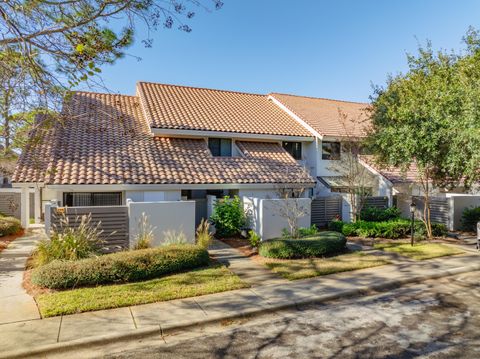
(437, 319)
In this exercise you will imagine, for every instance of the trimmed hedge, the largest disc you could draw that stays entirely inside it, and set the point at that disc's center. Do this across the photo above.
(470, 217)
(322, 244)
(373, 214)
(399, 228)
(128, 266)
(9, 226)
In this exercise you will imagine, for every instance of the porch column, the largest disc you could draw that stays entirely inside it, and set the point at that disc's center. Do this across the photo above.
(25, 207)
(38, 205)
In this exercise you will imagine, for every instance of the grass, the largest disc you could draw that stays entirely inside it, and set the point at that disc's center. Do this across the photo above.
(420, 251)
(306, 268)
(213, 279)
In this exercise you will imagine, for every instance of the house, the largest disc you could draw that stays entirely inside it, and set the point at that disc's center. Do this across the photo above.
(167, 142)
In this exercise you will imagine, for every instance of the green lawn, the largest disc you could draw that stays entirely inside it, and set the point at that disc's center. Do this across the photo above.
(202, 281)
(420, 251)
(306, 268)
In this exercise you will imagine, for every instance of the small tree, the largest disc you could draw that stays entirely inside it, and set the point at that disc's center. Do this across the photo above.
(228, 216)
(292, 208)
(356, 177)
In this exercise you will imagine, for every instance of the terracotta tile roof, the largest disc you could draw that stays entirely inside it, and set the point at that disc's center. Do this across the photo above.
(189, 108)
(323, 115)
(393, 174)
(35, 166)
(105, 139)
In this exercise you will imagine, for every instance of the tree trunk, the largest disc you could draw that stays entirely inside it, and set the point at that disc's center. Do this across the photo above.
(6, 123)
(426, 212)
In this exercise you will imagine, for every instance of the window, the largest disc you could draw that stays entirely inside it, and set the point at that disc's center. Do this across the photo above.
(294, 149)
(330, 150)
(220, 147)
(78, 199)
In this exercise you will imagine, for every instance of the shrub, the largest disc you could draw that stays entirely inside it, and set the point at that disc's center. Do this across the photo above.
(69, 243)
(322, 244)
(438, 229)
(373, 214)
(470, 217)
(9, 226)
(309, 231)
(121, 267)
(393, 229)
(144, 237)
(228, 216)
(254, 239)
(204, 237)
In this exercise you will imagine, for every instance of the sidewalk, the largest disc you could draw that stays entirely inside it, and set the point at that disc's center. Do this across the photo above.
(35, 337)
(15, 304)
(248, 270)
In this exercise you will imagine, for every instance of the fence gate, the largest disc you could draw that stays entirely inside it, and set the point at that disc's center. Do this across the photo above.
(113, 222)
(324, 209)
(439, 209)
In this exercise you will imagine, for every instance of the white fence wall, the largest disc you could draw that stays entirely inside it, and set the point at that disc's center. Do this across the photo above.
(458, 203)
(167, 219)
(265, 215)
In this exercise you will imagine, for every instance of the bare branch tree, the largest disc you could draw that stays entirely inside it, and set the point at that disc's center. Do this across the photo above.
(356, 177)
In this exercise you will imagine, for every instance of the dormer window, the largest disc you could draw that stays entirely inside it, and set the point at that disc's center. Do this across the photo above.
(294, 149)
(220, 147)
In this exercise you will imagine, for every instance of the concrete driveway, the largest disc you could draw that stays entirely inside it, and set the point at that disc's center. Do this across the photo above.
(437, 319)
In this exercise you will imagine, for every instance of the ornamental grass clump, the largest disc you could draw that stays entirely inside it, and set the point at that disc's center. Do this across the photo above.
(70, 243)
(9, 226)
(145, 236)
(204, 236)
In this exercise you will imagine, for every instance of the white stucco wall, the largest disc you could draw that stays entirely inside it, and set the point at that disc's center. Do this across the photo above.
(166, 218)
(265, 215)
(259, 193)
(458, 203)
(152, 196)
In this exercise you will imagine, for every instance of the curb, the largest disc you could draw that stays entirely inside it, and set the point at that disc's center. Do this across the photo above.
(58, 348)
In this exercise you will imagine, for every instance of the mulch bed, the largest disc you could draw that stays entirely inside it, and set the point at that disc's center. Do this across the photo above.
(27, 284)
(4, 241)
(240, 244)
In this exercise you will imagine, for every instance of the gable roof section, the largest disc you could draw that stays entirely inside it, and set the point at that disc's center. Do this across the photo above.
(392, 174)
(323, 115)
(191, 108)
(35, 166)
(105, 139)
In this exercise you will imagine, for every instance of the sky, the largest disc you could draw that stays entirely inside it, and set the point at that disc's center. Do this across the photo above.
(331, 49)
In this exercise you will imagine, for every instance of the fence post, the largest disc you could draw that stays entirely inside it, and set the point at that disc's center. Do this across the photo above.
(25, 207)
(48, 216)
(478, 236)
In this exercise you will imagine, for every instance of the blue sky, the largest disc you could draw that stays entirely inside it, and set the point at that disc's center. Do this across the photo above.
(334, 49)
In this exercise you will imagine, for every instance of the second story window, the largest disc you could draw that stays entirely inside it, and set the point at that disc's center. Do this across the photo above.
(220, 147)
(294, 148)
(330, 150)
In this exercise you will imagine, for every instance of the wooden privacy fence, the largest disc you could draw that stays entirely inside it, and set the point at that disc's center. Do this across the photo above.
(439, 209)
(113, 223)
(379, 202)
(324, 209)
(10, 203)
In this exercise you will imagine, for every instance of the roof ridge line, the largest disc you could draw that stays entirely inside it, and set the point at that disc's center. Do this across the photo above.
(317, 98)
(101, 93)
(202, 88)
